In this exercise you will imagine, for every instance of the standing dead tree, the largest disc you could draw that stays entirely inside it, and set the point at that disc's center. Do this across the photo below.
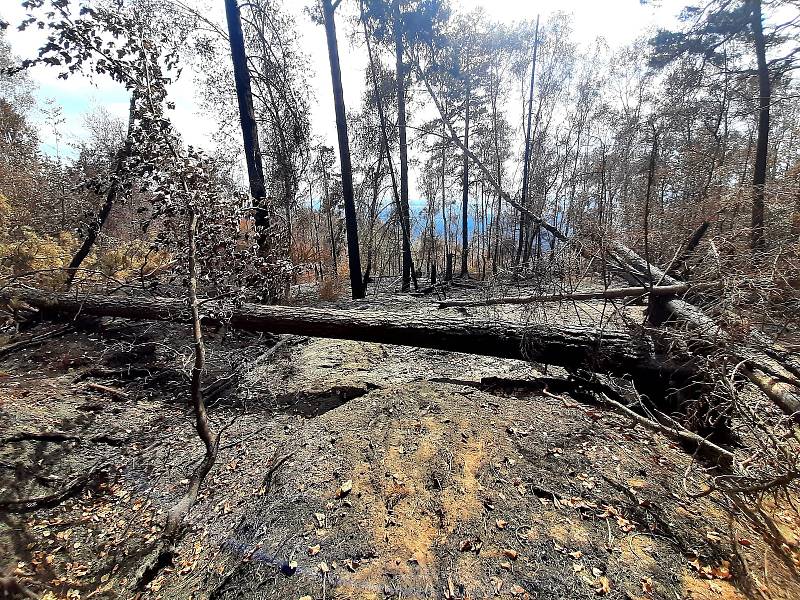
(247, 119)
(526, 160)
(353, 253)
(401, 206)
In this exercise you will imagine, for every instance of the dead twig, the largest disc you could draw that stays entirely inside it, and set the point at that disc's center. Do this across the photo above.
(26, 505)
(678, 434)
(35, 341)
(607, 294)
(105, 389)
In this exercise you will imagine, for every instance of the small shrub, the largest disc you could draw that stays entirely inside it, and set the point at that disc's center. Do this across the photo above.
(330, 288)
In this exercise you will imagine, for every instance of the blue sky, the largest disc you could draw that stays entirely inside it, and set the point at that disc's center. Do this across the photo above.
(75, 103)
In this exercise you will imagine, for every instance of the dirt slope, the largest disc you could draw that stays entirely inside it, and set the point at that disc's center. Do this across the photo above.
(354, 470)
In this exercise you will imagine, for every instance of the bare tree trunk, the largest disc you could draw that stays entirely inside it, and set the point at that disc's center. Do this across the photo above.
(651, 172)
(495, 221)
(373, 216)
(688, 247)
(523, 218)
(445, 223)
(247, 119)
(353, 255)
(111, 198)
(400, 204)
(758, 243)
(465, 190)
(316, 225)
(405, 213)
(490, 179)
(606, 294)
(794, 232)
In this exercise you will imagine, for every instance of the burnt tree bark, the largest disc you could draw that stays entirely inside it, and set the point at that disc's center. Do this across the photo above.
(351, 224)
(247, 118)
(465, 189)
(758, 243)
(405, 213)
(523, 219)
(688, 248)
(401, 206)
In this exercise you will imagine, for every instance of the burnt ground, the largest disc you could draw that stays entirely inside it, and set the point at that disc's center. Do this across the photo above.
(352, 470)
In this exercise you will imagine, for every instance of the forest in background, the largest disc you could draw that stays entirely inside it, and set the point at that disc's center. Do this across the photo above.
(645, 143)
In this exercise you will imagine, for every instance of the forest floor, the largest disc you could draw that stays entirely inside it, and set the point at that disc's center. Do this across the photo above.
(353, 470)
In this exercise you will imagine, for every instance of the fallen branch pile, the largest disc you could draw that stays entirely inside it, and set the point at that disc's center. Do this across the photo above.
(773, 369)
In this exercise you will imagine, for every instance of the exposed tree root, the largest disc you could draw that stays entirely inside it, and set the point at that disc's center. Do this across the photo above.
(59, 436)
(582, 389)
(44, 436)
(674, 432)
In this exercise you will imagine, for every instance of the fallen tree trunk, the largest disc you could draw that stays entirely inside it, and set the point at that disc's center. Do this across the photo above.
(571, 347)
(488, 175)
(689, 247)
(607, 294)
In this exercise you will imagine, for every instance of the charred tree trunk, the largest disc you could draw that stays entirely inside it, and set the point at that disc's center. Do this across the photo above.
(353, 254)
(465, 191)
(247, 119)
(405, 213)
(523, 218)
(758, 243)
(445, 223)
(688, 248)
(400, 205)
(488, 175)
(94, 227)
